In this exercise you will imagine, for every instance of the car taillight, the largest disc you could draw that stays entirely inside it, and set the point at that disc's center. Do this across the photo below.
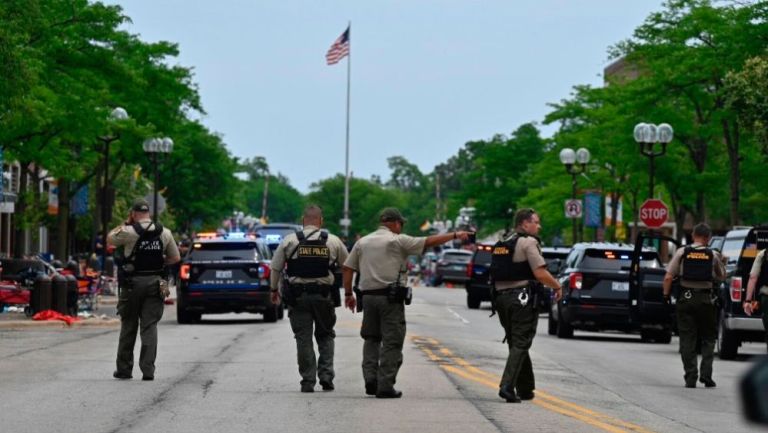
(469, 269)
(575, 281)
(263, 271)
(735, 289)
(184, 272)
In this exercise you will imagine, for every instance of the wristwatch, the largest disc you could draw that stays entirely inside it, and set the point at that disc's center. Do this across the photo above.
(454, 235)
(347, 294)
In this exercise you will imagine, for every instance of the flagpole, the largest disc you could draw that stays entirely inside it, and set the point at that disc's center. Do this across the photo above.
(347, 222)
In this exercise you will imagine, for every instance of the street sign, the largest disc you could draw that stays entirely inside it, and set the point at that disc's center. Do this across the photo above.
(654, 213)
(573, 208)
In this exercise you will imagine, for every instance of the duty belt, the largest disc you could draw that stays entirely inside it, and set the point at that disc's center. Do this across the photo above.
(512, 290)
(312, 288)
(377, 292)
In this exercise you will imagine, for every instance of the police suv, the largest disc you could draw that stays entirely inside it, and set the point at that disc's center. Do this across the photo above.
(734, 327)
(223, 274)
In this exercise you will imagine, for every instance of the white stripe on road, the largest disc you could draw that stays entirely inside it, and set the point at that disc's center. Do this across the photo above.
(458, 316)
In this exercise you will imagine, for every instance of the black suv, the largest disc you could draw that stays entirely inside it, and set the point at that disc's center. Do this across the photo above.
(596, 292)
(478, 270)
(224, 274)
(734, 327)
(273, 233)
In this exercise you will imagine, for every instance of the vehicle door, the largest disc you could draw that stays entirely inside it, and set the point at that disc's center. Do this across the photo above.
(646, 294)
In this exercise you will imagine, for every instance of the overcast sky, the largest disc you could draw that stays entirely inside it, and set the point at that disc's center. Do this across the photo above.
(427, 75)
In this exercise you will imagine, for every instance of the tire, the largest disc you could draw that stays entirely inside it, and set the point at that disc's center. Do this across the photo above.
(664, 336)
(184, 317)
(727, 341)
(564, 330)
(656, 336)
(281, 312)
(270, 314)
(551, 323)
(473, 301)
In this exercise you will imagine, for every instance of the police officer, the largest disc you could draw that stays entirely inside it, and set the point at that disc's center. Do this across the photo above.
(517, 269)
(379, 259)
(698, 267)
(308, 259)
(148, 248)
(758, 280)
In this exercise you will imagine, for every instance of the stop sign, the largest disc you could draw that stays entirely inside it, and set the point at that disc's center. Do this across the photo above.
(654, 213)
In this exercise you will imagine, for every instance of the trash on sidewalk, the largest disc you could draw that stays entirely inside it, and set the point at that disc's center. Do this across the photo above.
(54, 315)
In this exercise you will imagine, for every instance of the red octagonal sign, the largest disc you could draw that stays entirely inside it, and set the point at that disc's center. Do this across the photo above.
(654, 213)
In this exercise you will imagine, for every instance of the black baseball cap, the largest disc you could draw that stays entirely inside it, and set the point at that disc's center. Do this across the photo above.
(390, 214)
(140, 205)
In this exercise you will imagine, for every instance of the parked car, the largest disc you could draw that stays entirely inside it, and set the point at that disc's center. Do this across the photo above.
(273, 233)
(452, 266)
(478, 270)
(596, 292)
(734, 327)
(223, 274)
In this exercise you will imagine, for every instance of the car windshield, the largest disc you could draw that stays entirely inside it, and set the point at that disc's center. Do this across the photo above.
(483, 257)
(457, 257)
(617, 260)
(274, 235)
(205, 251)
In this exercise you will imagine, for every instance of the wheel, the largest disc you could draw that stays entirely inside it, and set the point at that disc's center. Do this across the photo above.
(473, 301)
(270, 314)
(564, 330)
(727, 341)
(664, 336)
(281, 311)
(551, 323)
(184, 317)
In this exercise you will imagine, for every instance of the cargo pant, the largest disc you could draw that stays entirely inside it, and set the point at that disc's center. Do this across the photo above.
(314, 313)
(140, 307)
(383, 330)
(519, 323)
(696, 319)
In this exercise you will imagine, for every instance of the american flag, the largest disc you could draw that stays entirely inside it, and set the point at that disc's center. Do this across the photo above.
(339, 49)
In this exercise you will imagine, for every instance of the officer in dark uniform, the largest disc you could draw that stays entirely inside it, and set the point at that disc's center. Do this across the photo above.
(757, 290)
(305, 262)
(147, 249)
(517, 269)
(379, 259)
(698, 267)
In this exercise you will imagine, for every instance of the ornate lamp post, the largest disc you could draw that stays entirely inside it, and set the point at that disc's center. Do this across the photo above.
(116, 115)
(570, 159)
(647, 135)
(154, 146)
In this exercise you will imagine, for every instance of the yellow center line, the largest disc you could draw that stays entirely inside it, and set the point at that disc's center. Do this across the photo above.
(464, 369)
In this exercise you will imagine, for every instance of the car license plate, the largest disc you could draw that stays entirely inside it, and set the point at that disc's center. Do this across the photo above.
(618, 286)
(224, 274)
(458, 268)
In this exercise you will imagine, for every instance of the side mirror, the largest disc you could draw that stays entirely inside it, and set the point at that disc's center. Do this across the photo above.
(753, 392)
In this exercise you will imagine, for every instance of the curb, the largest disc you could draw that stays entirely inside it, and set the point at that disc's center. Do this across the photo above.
(86, 323)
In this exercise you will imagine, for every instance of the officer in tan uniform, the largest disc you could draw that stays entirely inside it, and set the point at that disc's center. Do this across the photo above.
(379, 259)
(518, 269)
(304, 263)
(698, 267)
(148, 249)
(757, 290)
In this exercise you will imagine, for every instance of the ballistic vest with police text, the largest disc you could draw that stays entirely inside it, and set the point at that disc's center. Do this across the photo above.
(311, 258)
(503, 268)
(148, 251)
(697, 264)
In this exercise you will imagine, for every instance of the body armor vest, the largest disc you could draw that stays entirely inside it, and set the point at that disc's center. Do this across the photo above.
(147, 257)
(503, 268)
(697, 264)
(311, 258)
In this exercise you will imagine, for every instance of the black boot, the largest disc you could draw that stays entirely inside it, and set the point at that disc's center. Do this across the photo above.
(508, 393)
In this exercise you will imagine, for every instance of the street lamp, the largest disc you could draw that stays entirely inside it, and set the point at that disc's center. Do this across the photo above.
(154, 146)
(569, 158)
(116, 115)
(648, 134)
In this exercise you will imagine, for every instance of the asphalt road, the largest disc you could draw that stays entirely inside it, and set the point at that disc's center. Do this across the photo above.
(234, 373)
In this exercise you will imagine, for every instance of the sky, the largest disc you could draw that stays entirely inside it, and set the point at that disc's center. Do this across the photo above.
(427, 76)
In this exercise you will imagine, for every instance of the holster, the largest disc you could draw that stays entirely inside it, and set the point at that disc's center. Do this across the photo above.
(359, 296)
(289, 294)
(336, 290)
(397, 294)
